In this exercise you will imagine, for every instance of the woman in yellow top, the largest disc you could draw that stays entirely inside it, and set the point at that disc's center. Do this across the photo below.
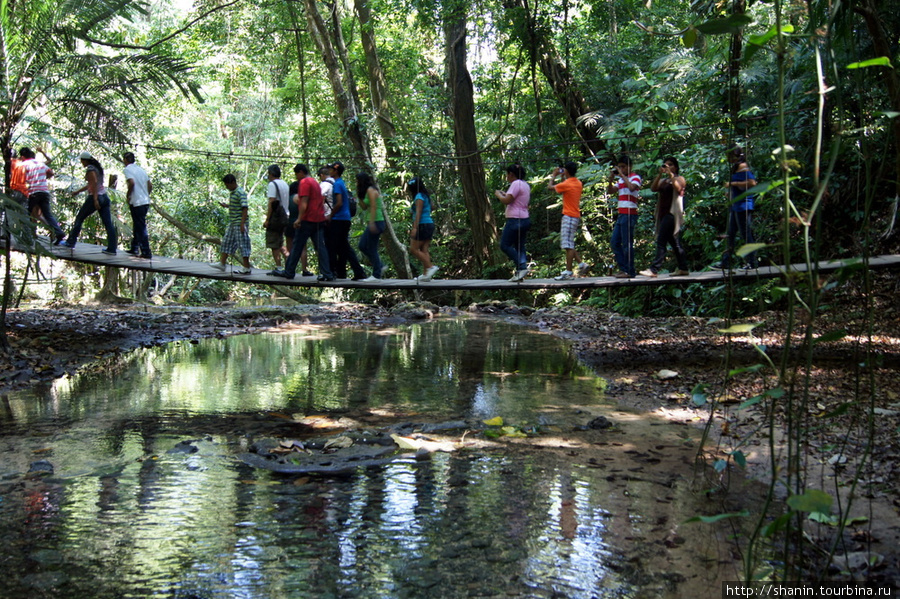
(369, 197)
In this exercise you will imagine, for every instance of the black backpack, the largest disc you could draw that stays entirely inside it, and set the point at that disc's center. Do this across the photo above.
(351, 203)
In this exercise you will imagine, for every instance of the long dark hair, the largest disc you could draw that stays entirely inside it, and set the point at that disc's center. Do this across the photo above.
(96, 164)
(415, 187)
(363, 182)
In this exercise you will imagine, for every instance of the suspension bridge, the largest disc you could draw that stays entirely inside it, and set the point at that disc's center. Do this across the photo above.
(93, 254)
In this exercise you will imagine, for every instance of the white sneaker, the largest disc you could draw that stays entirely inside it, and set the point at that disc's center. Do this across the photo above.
(370, 279)
(564, 276)
(218, 266)
(582, 269)
(520, 274)
(243, 271)
(430, 271)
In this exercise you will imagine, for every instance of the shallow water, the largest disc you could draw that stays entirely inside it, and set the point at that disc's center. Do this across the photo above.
(123, 516)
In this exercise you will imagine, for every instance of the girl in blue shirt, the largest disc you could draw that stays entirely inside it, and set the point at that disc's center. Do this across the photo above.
(422, 227)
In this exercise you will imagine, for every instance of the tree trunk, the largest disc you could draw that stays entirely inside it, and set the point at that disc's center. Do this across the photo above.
(343, 97)
(381, 105)
(469, 163)
(543, 52)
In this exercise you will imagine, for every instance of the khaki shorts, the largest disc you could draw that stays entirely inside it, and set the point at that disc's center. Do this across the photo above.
(274, 239)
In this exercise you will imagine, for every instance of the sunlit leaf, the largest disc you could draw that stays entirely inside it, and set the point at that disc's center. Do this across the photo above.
(698, 394)
(496, 421)
(750, 402)
(831, 336)
(689, 39)
(749, 248)
(881, 61)
(738, 328)
(812, 500)
(754, 368)
(720, 465)
(712, 519)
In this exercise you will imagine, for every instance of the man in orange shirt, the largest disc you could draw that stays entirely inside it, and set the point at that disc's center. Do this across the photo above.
(570, 188)
(18, 189)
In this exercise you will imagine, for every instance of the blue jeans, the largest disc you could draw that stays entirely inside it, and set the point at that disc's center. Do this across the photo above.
(512, 241)
(368, 245)
(739, 222)
(88, 209)
(315, 232)
(623, 242)
(140, 240)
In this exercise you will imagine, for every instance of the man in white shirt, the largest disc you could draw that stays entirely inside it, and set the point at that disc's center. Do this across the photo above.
(138, 194)
(277, 224)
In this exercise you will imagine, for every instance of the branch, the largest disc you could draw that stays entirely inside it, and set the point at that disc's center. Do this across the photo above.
(162, 40)
(184, 228)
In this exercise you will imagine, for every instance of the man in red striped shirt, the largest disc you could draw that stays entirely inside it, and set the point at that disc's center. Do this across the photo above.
(628, 186)
(36, 175)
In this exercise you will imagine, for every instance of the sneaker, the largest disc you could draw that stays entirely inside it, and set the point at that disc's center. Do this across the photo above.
(242, 271)
(359, 278)
(306, 273)
(680, 273)
(582, 269)
(623, 275)
(647, 273)
(369, 280)
(108, 252)
(430, 272)
(218, 266)
(748, 268)
(324, 278)
(520, 274)
(132, 252)
(564, 276)
(146, 256)
(276, 273)
(60, 240)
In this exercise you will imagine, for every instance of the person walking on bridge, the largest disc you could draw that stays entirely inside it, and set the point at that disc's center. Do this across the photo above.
(669, 186)
(138, 194)
(36, 175)
(627, 185)
(518, 222)
(237, 236)
(96, 201)
(570, 188)
(309, 224)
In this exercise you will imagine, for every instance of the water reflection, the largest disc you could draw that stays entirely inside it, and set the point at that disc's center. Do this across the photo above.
(124, 517)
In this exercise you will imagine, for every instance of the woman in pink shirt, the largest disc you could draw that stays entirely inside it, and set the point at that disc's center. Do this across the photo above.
(515, 231)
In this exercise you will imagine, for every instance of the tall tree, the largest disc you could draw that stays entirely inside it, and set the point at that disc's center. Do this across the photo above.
(465, 137)
(535, 34)
(50, 61)
(378, 90)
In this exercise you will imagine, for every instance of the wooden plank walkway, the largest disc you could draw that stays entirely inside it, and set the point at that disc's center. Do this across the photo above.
(92, 254)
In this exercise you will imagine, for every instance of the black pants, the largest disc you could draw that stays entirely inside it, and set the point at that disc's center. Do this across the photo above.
(41, 199)
(665, 236)
(340, 252)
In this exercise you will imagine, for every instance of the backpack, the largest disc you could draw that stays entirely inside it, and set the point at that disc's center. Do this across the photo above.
(351, 203)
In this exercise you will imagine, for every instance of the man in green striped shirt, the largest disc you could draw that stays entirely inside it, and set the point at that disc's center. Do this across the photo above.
(237, 237)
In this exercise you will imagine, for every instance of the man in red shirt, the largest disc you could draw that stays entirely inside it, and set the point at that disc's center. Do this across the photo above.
(627, 186)
(36, 175)
(310, 224)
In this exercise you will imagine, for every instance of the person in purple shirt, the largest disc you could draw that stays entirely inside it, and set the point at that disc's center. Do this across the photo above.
(515, 231)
